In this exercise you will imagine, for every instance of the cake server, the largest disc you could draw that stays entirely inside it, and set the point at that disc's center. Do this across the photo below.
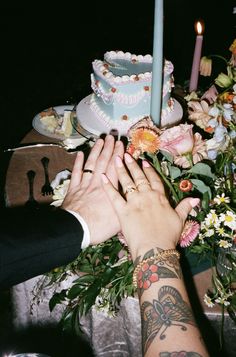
(60, 145)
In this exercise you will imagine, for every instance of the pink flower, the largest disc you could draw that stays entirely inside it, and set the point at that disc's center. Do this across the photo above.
(177, 140)
(190, 232)
(199, 152)
(211, 94)
(198, 113)
(180, 142)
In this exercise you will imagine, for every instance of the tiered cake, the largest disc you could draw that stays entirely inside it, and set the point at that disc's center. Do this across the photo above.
(121, 85)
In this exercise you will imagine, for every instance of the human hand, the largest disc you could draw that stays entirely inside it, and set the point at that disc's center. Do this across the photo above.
(86, 194)
(147, 219)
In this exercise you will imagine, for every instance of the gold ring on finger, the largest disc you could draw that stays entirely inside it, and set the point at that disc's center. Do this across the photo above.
(142, 183)
(130, 189)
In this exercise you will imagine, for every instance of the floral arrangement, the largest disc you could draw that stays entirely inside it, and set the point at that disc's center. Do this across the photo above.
(195, 158)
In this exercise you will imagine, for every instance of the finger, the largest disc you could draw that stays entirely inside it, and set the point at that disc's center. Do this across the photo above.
(111, 172)
(105, 156)
(126, 181)
(185, 206)
(153, 177)
(77, 171)
(137, 174)
(114, 196)
(90, 163)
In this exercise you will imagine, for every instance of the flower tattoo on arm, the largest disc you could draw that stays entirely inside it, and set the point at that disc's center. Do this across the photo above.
(153, 271)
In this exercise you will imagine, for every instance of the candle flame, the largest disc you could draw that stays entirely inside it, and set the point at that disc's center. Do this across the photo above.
(199, 27)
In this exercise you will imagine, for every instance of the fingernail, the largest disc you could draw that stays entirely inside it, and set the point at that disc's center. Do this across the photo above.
(145, 163)
(194, 202)
(128, 158)
(104, 178)
(118, 144)
(119, 162)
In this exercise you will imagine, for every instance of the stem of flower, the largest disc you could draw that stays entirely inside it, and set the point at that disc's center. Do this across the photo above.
(218, 56)
(167, 182)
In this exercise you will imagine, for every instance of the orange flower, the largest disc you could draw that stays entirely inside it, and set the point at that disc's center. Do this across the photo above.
(185, 185)
(143, 137)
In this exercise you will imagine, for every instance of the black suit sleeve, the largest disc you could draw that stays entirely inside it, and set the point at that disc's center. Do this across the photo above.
(33, 243)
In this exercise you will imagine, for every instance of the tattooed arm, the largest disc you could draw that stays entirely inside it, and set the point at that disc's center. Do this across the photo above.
(168, 326)
(150, 225)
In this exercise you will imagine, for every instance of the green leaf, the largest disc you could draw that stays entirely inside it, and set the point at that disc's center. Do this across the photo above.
(57, 298)
(205, 200)
(174, 172)
(75, 291)
(201, 187)
(202, 169)
(87, 278)
(167, 156)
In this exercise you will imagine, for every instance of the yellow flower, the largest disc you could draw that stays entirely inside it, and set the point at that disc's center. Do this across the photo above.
(205, 66)
(233, 47)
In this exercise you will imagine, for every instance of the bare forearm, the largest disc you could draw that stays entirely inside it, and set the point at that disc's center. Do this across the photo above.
(168, 325)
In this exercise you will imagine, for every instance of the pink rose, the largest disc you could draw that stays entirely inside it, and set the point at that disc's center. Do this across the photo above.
(177, 140)
(199, 152)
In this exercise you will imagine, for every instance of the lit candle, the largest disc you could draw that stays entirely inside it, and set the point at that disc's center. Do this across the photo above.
(199, 27)
(157, 65)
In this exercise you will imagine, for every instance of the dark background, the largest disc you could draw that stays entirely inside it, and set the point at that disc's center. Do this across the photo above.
(47, 49)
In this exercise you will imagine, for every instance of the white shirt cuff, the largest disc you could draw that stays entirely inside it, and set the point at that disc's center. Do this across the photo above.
(86, 237)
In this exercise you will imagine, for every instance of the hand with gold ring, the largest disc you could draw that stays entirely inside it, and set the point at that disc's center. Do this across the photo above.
(86, 194)
(146, 216)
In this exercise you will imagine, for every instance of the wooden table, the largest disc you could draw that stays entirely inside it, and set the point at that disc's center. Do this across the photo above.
(16, 193)
(17, 187)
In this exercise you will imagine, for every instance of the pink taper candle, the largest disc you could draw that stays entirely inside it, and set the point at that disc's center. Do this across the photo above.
(196, 57)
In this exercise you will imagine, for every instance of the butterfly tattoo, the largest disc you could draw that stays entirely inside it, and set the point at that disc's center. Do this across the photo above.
(169, 310)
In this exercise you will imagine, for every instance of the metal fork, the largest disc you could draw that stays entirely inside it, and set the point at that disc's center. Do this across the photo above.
(46, 188)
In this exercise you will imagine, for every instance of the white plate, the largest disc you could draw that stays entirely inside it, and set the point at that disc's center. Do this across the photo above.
(38, 126)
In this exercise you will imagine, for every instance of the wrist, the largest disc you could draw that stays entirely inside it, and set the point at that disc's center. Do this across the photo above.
(148, 249)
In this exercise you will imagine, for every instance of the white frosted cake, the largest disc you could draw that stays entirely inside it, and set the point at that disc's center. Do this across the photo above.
(121, 85)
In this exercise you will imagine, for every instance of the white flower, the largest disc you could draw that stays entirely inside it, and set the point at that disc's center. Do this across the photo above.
(222, 301)
(207, 300)
(214, 111)
(221, 199)
(229, 219)
(228, 111)
(224, 244)
(212, 219)
(219, 183)
(209, 232)
(59, 193)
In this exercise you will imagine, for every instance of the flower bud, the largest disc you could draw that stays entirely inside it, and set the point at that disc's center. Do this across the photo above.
(205, 66)
(223, 80)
